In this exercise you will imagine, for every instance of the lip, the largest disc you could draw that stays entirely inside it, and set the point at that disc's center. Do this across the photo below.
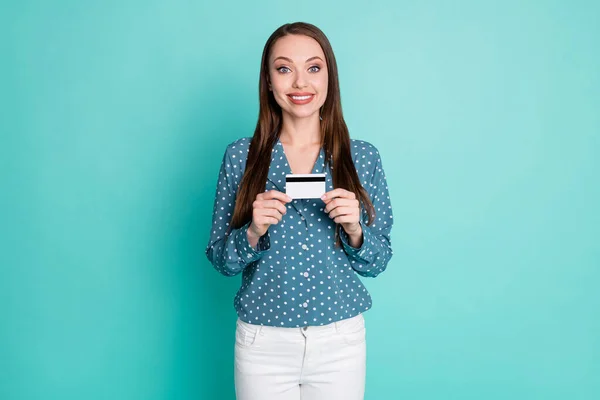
(312, 96)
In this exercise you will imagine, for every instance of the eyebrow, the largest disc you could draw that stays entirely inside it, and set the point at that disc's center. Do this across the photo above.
(289, 60)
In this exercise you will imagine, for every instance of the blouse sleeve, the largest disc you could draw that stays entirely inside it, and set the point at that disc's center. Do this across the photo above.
(230, 252)
(372, 257)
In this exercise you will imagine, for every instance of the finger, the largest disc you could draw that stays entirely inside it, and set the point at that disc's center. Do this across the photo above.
(340, 202)
(339, 192)
(268, 221)
(275, 194)
(272, 212)
(267, 214)
(346, 219)
(342, 211)
(276, 204)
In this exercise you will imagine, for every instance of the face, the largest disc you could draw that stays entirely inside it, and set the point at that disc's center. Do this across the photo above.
(298, 75)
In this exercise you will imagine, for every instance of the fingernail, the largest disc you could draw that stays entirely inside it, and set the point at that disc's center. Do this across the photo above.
(323, 197)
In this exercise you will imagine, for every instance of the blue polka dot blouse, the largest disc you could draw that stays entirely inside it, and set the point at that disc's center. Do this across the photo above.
(296, 276)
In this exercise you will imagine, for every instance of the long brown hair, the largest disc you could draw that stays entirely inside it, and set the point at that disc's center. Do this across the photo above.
(335, 138)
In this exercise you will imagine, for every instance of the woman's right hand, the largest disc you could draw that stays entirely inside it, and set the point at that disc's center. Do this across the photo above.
(267, 209)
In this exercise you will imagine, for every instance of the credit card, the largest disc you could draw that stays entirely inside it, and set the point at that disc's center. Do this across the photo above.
(305, 186)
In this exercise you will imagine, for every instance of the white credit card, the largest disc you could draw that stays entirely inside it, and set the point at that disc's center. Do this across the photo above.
(305, 186)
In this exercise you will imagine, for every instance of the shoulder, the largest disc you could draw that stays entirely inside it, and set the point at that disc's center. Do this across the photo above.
(234, 159)
(366, 160)
(364, 154)
(238, 148)
(361, 149)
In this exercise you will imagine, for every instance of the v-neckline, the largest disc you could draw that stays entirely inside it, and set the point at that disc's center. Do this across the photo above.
(317, 163)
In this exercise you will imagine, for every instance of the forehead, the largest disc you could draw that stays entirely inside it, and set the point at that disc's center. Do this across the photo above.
(297, 47)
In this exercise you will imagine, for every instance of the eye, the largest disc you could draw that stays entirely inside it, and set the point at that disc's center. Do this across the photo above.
(280, 69)
(315, 66)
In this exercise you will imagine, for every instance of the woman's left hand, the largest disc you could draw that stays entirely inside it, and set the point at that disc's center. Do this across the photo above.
(344, 208)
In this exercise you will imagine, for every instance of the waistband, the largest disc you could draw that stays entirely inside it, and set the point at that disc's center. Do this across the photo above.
(331, 327)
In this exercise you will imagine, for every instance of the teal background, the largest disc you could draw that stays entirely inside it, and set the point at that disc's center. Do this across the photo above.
(114, 119)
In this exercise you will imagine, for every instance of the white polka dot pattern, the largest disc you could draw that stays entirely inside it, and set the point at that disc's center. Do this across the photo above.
(296, 276)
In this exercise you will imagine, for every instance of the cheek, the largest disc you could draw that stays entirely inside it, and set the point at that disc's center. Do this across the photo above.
(279, 94)
(280, 87)
(321, 86)
(321, 82)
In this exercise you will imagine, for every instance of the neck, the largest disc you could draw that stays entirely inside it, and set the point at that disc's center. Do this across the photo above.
(300, 132)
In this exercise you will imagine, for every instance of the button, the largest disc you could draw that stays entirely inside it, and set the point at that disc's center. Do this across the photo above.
(304, 305)
(306, 274)
(305, 247)
(302, 218)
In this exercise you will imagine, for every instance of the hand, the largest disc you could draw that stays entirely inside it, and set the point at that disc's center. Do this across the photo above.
(267, 209)
(344, 208)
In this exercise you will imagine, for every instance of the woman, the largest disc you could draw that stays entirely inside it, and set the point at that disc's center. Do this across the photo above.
(300, 332)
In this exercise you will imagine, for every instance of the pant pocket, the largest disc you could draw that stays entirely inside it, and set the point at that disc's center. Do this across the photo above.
(352, 330)
(246, 335)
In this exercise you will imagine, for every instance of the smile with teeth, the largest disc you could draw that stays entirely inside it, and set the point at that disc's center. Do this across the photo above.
(301, 99)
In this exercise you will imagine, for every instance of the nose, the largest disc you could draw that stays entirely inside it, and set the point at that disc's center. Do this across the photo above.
(300, 80)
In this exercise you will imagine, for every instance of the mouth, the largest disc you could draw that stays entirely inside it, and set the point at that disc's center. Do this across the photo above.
(301, 98)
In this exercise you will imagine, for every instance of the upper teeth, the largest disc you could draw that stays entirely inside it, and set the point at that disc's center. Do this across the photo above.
(300, 97)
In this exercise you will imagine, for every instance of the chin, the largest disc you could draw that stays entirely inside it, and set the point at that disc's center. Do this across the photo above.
(305, 114)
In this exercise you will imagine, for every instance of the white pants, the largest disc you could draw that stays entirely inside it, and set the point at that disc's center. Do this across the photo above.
(314, 363)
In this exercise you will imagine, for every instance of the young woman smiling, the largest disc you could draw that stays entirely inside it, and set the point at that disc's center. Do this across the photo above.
(300, 332)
